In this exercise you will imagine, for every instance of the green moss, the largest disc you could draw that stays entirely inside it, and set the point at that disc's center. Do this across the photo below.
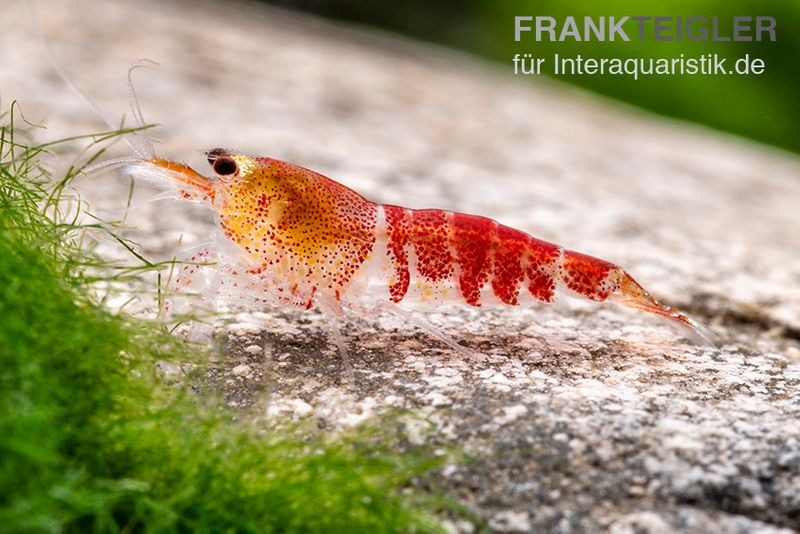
(91, 441)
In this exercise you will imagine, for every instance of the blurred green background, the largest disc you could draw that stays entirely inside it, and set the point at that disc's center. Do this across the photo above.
(763, 107)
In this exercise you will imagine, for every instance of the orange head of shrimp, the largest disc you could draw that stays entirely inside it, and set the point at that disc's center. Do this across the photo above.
(265, 203)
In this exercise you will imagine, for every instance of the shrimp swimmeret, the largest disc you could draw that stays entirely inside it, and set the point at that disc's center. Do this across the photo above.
(304, 240)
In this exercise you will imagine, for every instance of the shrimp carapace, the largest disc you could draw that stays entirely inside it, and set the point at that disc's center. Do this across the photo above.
(311, 241)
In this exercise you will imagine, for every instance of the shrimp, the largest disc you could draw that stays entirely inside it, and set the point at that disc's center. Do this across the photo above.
(302, 239)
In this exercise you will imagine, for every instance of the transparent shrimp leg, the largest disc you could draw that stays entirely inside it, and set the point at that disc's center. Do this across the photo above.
(196, 284)
(192, 277)
(333, 310)
(338, 340)
(427, 327)
(200, 331)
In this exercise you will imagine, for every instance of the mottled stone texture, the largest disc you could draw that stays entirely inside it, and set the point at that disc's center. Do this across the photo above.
(581, 416)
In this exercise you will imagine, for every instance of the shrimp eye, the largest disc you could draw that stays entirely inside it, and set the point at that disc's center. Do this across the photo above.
(225, 166)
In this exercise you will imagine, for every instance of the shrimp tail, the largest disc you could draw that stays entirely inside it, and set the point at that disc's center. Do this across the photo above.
(595, 279)
(630, 294)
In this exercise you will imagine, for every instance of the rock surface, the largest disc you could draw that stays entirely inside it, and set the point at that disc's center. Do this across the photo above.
(582, 417)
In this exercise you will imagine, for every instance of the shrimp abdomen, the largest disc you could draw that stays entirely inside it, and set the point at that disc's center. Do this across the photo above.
(437, 256)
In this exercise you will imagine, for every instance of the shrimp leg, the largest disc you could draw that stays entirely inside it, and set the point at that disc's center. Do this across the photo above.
(426, 327)
(338, 340)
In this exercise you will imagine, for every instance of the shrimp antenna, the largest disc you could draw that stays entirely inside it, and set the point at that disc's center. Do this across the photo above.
(136, 110)
(143, 154)
(110, 164)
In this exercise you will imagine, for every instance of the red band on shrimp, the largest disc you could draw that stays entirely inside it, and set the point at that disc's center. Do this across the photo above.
(472, 241)
(397, 232)
(508, 272)
(540, 268)
(431, 244)
(586, 275)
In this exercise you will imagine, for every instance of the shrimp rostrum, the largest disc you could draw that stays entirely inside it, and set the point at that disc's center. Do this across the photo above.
(301, 239)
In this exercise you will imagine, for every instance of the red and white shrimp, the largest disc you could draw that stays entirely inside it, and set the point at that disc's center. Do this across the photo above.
(302, 239)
